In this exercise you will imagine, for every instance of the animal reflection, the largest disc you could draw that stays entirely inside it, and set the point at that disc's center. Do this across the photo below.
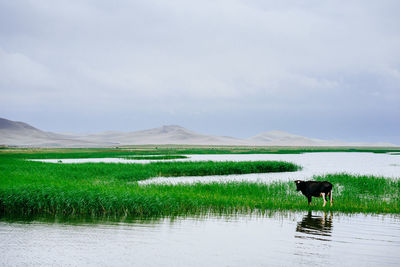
(315, 227)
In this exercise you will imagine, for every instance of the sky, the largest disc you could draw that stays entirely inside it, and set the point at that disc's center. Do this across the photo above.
(323, 69)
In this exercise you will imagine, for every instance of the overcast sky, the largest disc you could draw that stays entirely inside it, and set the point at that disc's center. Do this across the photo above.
(324, 69)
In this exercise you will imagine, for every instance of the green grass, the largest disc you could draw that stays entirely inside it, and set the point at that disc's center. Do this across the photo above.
(28, 187)
(12, 171)
(103, 189)
(59, 153)
(117, 198)
(161, 157)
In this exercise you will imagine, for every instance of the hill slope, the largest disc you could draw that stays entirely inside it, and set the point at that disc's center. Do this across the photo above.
(13, 133)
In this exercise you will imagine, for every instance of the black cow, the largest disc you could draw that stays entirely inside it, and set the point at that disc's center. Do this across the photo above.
(315, 189)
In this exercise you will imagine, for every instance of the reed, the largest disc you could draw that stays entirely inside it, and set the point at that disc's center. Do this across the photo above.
(103, 189)
(17, 170)
(118, 197)
(64, 153)
(155, 157)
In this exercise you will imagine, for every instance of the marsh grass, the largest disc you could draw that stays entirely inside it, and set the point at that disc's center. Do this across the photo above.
(155, 157)
(103, 189)
(103, 197)
(364, 193)
(28, 187)
(67, 153)
(14, 170)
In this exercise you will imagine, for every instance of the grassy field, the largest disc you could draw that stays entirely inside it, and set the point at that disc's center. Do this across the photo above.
(155, 157)
(167, 150)
(100, 189)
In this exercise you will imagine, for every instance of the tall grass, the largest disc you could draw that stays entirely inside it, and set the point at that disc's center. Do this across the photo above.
(13, 171)
(120, 198)
(58, 153)
(161, 157)
(28, 187)
(364, 193)
(101, 189)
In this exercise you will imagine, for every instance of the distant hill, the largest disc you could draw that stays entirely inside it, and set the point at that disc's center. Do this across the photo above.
(280, 138)
(13, 133)
(169, 134)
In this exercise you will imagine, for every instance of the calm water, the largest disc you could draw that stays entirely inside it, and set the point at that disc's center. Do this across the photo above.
(280, 239)
(313, 164)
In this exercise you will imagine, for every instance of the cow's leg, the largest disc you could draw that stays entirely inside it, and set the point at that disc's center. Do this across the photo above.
(330, 197)
(309, 200)
(323, 197)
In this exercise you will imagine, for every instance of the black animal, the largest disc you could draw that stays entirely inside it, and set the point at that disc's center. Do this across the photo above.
(315, 189)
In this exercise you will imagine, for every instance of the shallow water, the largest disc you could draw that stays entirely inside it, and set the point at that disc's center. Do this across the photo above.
(279, 239)
(313, 164)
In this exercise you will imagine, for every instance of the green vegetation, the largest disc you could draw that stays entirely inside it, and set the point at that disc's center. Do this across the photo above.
(104, 189)
(28, 187)
(20, 171)
(162, 157)
(119, 198)
(59, 153)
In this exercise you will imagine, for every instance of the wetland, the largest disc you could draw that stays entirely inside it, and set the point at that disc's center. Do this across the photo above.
(198, 210)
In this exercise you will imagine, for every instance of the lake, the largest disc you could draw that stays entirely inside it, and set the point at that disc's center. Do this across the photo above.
(277, 239)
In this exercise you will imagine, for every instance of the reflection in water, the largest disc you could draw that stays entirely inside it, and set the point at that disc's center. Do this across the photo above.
(315, 227)
(274, 239)
(313, 238)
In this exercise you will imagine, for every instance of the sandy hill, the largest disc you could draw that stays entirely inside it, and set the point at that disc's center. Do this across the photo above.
(13, 133)
(281, 138)
(168, 134)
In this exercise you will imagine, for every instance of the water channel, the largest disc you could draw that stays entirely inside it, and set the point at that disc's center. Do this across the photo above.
(377, 164)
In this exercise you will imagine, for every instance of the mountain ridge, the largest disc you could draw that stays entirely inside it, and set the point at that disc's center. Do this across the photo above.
(14, 133)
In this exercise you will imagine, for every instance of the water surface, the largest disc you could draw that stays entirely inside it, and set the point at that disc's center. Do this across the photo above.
(318, 163)
(313, 164)
(279, 239)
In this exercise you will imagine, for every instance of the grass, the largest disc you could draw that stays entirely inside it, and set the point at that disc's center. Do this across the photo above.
(59, 153)
(162, 157)
(28, 187)
(14, 171)
(101, 189)
(118, 198)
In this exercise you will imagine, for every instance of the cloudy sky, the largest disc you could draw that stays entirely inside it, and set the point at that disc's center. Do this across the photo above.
(324, 69)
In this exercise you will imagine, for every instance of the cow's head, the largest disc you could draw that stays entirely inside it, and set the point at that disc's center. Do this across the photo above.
(299, 184)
